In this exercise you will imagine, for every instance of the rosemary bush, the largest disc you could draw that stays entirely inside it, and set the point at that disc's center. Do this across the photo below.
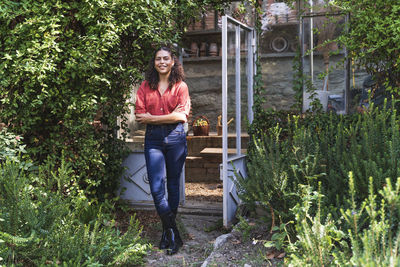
(51, 221)
(319, 148)
(372, 238)
(313, 170)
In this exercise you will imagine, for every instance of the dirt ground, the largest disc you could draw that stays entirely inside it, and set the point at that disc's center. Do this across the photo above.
(199, 233)
(204, 191)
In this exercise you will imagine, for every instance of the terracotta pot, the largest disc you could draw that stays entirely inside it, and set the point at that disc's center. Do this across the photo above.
(209, 20)
(213, 50)
(203, 49)
(194, 50)
(198, 25)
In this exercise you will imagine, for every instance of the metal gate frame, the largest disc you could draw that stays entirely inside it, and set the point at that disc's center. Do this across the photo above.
(227, 171)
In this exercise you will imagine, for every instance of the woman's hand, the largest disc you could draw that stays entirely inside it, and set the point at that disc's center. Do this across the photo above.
(144, 118)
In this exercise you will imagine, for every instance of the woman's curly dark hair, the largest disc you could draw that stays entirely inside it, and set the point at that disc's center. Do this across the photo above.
(177, 73)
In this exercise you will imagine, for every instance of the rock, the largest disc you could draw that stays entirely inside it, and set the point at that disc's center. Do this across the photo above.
(221, 240)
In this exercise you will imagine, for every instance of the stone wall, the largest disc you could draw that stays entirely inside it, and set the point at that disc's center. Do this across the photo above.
(277, 76)
(203, 77)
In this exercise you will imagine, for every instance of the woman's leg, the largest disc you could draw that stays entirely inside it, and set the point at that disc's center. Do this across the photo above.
(175, 157)
(166, 158)
(155, 164)
(174, 162)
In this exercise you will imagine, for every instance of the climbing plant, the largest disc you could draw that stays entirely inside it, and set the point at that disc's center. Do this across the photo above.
(374, 40)
(66, 72)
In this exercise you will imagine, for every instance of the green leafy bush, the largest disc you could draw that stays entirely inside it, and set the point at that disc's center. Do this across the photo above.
(376, 243)
(11, 146)
(66, 72)
(318, 238)
(319, 148)
(373, 39)
(12, 149)
(300, 173)
(51, 221)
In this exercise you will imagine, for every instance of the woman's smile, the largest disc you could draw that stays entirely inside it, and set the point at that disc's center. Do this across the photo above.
(163, 62)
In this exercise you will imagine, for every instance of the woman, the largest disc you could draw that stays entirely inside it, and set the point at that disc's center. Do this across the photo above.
(163, 104)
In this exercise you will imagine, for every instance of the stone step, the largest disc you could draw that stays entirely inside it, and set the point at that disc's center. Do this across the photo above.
(201, 208)
(190, 207)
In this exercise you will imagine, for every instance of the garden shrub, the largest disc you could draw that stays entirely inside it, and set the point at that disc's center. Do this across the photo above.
(40, 226)
(65, 65)
(313, 170)
(320, 242)
(66, 72)
(373, 39)
(320, 148)
(318, 237)
(11, 146)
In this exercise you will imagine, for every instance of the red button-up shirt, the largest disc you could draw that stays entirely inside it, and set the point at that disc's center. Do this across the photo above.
(174, 99)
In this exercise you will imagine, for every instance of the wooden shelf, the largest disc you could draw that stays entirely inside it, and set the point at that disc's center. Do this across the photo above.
(202, 32)
(278, 55)
(197, 59)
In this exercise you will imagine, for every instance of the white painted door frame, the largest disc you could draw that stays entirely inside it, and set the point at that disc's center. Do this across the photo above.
(235, 163)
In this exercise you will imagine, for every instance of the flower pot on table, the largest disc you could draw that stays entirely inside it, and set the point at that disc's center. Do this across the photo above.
(201, 126)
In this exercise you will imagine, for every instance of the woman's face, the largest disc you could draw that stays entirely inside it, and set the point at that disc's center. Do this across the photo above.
(163, 62)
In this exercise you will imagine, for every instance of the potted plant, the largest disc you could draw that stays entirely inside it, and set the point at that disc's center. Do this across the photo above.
(201, 126)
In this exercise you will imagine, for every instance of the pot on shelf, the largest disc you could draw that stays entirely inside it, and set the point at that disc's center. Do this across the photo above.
(219, 124)
(201, 126)
(203, 49)
(213, 50)
(194, 50)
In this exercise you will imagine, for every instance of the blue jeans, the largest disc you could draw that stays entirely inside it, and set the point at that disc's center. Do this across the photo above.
(165, 151)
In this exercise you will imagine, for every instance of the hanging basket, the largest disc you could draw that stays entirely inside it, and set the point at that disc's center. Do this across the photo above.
(201, 126)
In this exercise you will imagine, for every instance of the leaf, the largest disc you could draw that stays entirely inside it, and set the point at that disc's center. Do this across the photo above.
(280, 256)
(7, 56)
(269, 244)
(270, 255)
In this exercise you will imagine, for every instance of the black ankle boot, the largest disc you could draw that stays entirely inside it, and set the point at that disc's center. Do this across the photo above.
(172, 233)
(164, 240)
(178, 238)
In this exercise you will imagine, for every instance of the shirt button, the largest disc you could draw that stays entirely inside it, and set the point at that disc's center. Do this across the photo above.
(161, 108)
